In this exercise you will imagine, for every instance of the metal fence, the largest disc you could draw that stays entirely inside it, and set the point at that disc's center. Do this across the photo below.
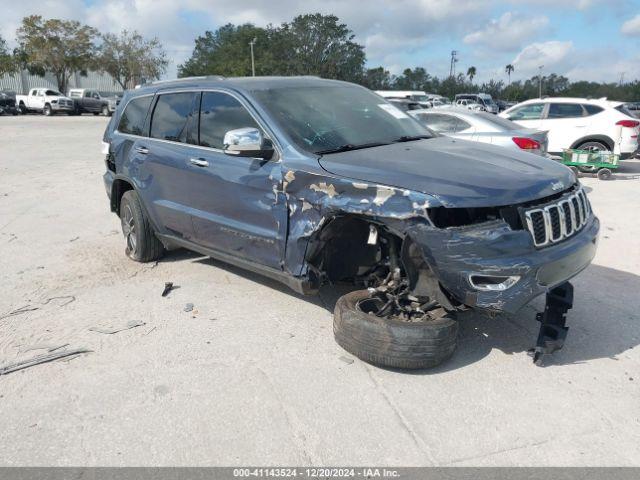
(23, 81)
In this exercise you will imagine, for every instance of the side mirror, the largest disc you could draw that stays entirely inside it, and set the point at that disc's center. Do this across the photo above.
(247, 142)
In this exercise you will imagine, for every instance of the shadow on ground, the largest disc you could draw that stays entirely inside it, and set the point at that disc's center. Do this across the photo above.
(604, 322)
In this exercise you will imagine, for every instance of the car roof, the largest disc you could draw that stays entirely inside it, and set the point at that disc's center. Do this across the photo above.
(239, 83)
(591, 101)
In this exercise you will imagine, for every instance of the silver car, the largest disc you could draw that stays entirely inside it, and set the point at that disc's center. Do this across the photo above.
(482, 127)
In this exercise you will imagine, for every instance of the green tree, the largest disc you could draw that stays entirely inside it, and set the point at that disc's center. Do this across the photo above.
(416, 79)
(316, 44)
(226, 52)
(471, 72)
(8, 63)
(131, 59)
(62, 47)
(509, 69)
(377, 79)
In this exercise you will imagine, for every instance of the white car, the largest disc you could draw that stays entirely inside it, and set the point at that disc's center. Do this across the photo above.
(469, 104)
(580, 123)
(44, 100)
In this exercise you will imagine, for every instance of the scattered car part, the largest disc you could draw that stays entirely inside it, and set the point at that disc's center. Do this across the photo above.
(38, 359)
(409, 341)
(188, 307)
(168, 286)
(553, 329)
(110, 331)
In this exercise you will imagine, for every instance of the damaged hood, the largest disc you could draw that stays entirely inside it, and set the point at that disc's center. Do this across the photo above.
(458, 173)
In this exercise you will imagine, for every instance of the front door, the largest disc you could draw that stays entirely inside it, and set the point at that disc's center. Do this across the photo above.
(237, 202)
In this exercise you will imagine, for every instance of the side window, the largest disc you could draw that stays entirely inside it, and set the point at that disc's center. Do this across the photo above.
(87, 94)
(440, 123)
(219, 113)
(527, 112)
(565, 110)
(171, 115)
(592, 109)
(134, 115)
(461, 125)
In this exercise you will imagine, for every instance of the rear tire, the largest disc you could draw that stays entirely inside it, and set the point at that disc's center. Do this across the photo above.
(392, 343)
(142, 243)
(604, 174)
(594, 146)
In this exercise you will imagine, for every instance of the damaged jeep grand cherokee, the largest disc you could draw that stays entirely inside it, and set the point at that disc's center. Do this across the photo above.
(311, 181)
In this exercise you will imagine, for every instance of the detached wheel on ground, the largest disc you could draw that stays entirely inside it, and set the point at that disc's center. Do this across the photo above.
(142, 243)
(387, 342)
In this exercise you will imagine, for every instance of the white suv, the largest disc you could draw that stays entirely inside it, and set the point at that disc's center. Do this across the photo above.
(580, 123)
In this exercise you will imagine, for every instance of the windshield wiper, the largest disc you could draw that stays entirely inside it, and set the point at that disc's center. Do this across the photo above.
(349, 146)
(411, 138)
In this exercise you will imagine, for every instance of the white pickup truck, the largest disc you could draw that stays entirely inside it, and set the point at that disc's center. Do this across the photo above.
(44, 100)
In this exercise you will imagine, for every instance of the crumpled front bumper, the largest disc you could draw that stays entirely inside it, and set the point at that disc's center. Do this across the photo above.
(494, 249)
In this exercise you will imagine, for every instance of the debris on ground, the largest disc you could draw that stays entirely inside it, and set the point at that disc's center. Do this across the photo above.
(67, 300)
(19, 311)
(38, 359)
(188, 307)
(111, 331)
(346, 360)
(46, 346)
(168, 286)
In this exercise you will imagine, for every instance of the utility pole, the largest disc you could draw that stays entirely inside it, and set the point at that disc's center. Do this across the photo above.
(540, 81)
(253, 63)
(454, 60)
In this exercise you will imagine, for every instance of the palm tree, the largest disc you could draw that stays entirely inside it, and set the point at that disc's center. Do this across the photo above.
(509, 69)
(471, 72)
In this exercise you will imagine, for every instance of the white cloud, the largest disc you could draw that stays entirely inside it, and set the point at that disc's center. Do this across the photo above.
(632, 26)
(567, 4)
(555, 56)
(508, 32)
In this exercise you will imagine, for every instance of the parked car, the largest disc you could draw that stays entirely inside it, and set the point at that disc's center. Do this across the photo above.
(633, 108)
(309, 181)
(438, 100)
(503, 105)
(45, 101)
(469, 105)
(580, 123)
(482, 127)
(405, 104)
(113, 98)
(412, 95)
(86, 100)
(482, 99)
(8, 103)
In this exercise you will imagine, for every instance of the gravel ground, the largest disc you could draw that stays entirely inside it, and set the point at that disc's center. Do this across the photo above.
(252, 375)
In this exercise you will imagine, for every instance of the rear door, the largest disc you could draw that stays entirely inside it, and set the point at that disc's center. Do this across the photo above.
(237, 203)
(566, 123)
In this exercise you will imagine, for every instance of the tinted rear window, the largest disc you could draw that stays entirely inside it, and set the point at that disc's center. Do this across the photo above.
(565, 110)
(171, 116)
(133, 117)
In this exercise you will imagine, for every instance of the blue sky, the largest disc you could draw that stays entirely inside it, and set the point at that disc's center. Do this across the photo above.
(583, 39)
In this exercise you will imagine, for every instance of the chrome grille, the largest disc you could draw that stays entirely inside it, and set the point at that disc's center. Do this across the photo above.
(559, 220)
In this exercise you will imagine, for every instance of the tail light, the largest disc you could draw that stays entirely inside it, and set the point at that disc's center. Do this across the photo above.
(526, 143)
(628, 123)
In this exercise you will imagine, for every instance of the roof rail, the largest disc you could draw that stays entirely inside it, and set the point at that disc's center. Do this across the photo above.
(171, 80)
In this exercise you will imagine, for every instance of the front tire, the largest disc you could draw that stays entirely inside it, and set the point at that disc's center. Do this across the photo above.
(105, 111)
(389, 342)
(46, 111)
(142, 243)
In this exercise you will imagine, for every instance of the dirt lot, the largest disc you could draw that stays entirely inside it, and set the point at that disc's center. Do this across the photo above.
(252, 375)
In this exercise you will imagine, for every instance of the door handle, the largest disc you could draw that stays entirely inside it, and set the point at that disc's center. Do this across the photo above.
(199, 162)
(142, 150)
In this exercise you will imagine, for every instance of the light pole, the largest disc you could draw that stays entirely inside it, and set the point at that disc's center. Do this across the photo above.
(540, 81)
(253, 63)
